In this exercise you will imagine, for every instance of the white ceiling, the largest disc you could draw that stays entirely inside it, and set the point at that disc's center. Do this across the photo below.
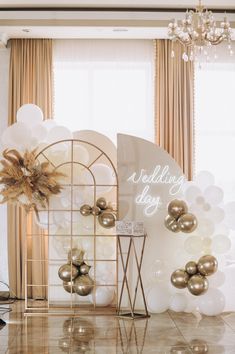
(118, 3)
(95, 24)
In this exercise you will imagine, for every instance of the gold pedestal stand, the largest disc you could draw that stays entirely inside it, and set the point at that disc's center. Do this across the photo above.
(131, 247)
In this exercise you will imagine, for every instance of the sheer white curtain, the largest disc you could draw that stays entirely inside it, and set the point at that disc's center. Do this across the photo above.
(215, 120)
(105, 85)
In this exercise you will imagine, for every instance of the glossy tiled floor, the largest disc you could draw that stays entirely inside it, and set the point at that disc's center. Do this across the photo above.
(175, 333)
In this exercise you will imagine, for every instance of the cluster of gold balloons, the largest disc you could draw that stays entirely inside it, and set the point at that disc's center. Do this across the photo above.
(194, 275)
(77, 335)
(75, 274)
(105, 214)
(178, 218)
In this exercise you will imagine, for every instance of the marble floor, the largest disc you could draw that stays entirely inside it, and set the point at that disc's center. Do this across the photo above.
(175, 333)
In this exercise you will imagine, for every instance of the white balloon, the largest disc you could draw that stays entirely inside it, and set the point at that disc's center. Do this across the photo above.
(205, 227)
(221, 244)
(158, 270)
(39, 132)
(192, 193)
(204, 179)
(194, 245)
(207, 244)
(178, 302)
(59, 133)
(55, 203)
(212, 303)
(102, 296)
(158, 298)
(222, 229)
(80, 154)
(230, 215)
(58, 154)
(30, 114)
(6, 138)
(61, 219)
(214, 195)
(105, 272)
(43, 221)
(78, 199)
(217, 279)
(216, 214)
(197, 210)
(20, 133)
(48, 124)
(106, 248)
(104, 175)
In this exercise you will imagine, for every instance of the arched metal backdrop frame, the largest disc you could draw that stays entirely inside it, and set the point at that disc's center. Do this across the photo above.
(73, 306)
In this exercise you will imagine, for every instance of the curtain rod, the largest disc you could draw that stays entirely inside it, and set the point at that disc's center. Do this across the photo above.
(110, 9)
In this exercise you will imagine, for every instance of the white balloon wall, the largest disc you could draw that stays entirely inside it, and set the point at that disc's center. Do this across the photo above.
(32, 132)
(166, 251)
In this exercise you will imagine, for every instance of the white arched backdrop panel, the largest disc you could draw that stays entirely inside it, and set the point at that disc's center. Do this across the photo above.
(148, 179)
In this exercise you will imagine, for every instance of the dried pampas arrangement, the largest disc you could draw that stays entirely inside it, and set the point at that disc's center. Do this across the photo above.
(27, 181)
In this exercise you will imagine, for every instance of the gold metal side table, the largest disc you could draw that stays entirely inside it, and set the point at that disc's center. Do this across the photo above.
(131, 240)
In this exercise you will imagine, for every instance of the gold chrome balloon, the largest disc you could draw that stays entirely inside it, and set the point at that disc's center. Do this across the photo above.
(101, 203)
(83, 285)
(85, 210)
(65, 344)
(187, 223)
(176, 208)
(198, 285)
(207, 265)
(191, 268)
(79, 328)
(75, 256)
(68, 286)
(95, 211)
(83, 330)
(107, 220)
(199, 346)
(179, 278)
(84, 269)
(67, 272)
(171, 224)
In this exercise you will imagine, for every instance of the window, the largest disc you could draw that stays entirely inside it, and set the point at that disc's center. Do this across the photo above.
(215, 122)
(105, 85)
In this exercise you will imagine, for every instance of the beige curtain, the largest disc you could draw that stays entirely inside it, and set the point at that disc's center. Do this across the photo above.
(30, 81)
(174, 104)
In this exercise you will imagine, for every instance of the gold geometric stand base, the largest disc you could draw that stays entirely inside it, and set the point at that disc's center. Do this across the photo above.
(133, 316)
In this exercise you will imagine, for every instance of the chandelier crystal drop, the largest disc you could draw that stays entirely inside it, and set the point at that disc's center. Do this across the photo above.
(198, 31)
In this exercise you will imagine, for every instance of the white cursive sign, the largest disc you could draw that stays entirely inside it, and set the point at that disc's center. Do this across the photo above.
(160, 175)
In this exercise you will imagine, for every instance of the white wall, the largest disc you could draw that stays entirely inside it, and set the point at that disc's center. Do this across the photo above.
(4, 68)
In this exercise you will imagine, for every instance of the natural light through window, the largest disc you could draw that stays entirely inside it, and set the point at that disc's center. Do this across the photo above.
(109, 93)
(215, 123)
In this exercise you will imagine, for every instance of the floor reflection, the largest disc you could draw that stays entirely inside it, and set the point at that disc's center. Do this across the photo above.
(167, 333)
(78, 334)
(81, 335)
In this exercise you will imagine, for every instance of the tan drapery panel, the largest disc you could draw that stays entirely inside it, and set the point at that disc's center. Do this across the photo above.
(30, 81)
(175, 104)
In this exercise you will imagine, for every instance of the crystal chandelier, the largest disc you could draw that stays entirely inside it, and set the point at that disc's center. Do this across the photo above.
(199, 32)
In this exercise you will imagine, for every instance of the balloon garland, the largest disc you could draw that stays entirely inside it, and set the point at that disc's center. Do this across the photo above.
(178, 218)
(194, 275)
(106, 217)
(75, 274)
